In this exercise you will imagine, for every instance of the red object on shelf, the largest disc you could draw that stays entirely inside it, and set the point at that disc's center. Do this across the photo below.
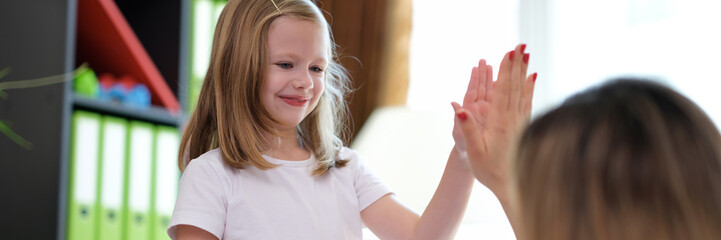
(107, 43)
(128, 82)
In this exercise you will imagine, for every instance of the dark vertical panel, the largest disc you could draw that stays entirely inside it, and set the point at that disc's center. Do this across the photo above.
(33, 45)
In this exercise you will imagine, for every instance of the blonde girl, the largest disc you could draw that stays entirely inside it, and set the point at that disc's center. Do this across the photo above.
(261, 155)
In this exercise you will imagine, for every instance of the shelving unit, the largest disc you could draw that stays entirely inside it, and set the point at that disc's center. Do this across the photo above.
(153, 114)
(107, 42)
(41, 38)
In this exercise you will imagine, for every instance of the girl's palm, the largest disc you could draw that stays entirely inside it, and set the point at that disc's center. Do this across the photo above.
(498, 111)
(477, 100)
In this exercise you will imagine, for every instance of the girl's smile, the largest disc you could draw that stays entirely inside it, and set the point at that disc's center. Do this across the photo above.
(295, 100)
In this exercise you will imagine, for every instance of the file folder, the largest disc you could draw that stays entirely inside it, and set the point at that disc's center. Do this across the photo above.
(201, 45)
(112, 177)
(139, 174)
(82, 201)
(166, 179)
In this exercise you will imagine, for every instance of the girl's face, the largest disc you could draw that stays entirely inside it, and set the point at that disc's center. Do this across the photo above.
(298, 57)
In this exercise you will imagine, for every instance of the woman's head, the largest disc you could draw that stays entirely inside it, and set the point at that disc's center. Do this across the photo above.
(630, 159)
(251, 76)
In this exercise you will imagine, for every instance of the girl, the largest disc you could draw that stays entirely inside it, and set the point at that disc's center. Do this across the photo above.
(267, 162)
(630, 159)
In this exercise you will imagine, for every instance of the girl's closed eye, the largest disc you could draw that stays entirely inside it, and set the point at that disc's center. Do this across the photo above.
(284, 65)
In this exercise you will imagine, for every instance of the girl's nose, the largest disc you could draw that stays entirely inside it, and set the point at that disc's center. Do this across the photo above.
(303, 80)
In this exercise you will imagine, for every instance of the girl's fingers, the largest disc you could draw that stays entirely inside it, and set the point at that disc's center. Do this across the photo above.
(456, 106)
(457, 130)
(472, 90)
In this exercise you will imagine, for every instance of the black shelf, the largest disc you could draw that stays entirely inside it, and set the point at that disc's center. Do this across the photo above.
(151, 114)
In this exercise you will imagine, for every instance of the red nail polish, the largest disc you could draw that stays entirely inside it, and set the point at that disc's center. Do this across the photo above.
(510, 56)
(462, 116)
(526, 56)
(534, 76)
(523, 48)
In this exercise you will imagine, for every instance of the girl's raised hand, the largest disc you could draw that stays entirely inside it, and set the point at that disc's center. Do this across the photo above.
(476, 101)
(490, 127)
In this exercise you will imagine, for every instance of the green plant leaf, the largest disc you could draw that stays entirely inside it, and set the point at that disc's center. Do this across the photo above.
(14, 137)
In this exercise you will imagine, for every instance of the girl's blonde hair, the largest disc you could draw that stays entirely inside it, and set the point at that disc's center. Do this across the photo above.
(628, 160)
(229, 114)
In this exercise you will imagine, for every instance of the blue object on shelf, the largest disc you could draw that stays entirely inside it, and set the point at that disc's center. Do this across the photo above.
(138, 96)
(103, 93)
(118, 93)
(107, 82)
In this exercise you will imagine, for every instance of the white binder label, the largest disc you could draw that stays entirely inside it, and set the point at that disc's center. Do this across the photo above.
(111, 191)
(167, 172)
(86, 159)
(141, 156)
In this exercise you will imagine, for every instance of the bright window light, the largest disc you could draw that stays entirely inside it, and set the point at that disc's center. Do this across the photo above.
(408, 146)
(573, 44)
(674, 42)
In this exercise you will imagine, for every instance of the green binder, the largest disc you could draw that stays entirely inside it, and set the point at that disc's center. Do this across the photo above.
(165, 181)
(82, 202)
(202, 28)
(138, 180)
(112, 178)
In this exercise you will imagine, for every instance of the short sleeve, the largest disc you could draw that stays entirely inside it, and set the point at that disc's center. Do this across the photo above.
(202, 200)
(368, 186)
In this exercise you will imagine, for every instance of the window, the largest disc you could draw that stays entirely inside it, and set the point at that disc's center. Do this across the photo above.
(674, 42)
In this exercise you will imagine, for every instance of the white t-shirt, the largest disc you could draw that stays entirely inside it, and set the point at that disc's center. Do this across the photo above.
(285, 202)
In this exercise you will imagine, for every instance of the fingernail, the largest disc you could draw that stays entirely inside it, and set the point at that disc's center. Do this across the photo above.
(534, 76)
(510, 56)
(523, 48)
(462, 116)
(525, 57)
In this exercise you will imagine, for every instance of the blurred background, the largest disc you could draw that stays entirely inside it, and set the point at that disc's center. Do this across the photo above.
(408, 59)
(573, 45)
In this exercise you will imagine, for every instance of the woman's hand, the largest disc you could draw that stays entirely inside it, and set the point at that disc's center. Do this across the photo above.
(493, 116)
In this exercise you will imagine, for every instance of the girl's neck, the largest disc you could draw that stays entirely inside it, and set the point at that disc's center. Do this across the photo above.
(285, 146)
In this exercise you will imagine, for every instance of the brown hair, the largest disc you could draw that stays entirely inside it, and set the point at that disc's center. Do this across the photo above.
(229, 114)
(630, 159)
